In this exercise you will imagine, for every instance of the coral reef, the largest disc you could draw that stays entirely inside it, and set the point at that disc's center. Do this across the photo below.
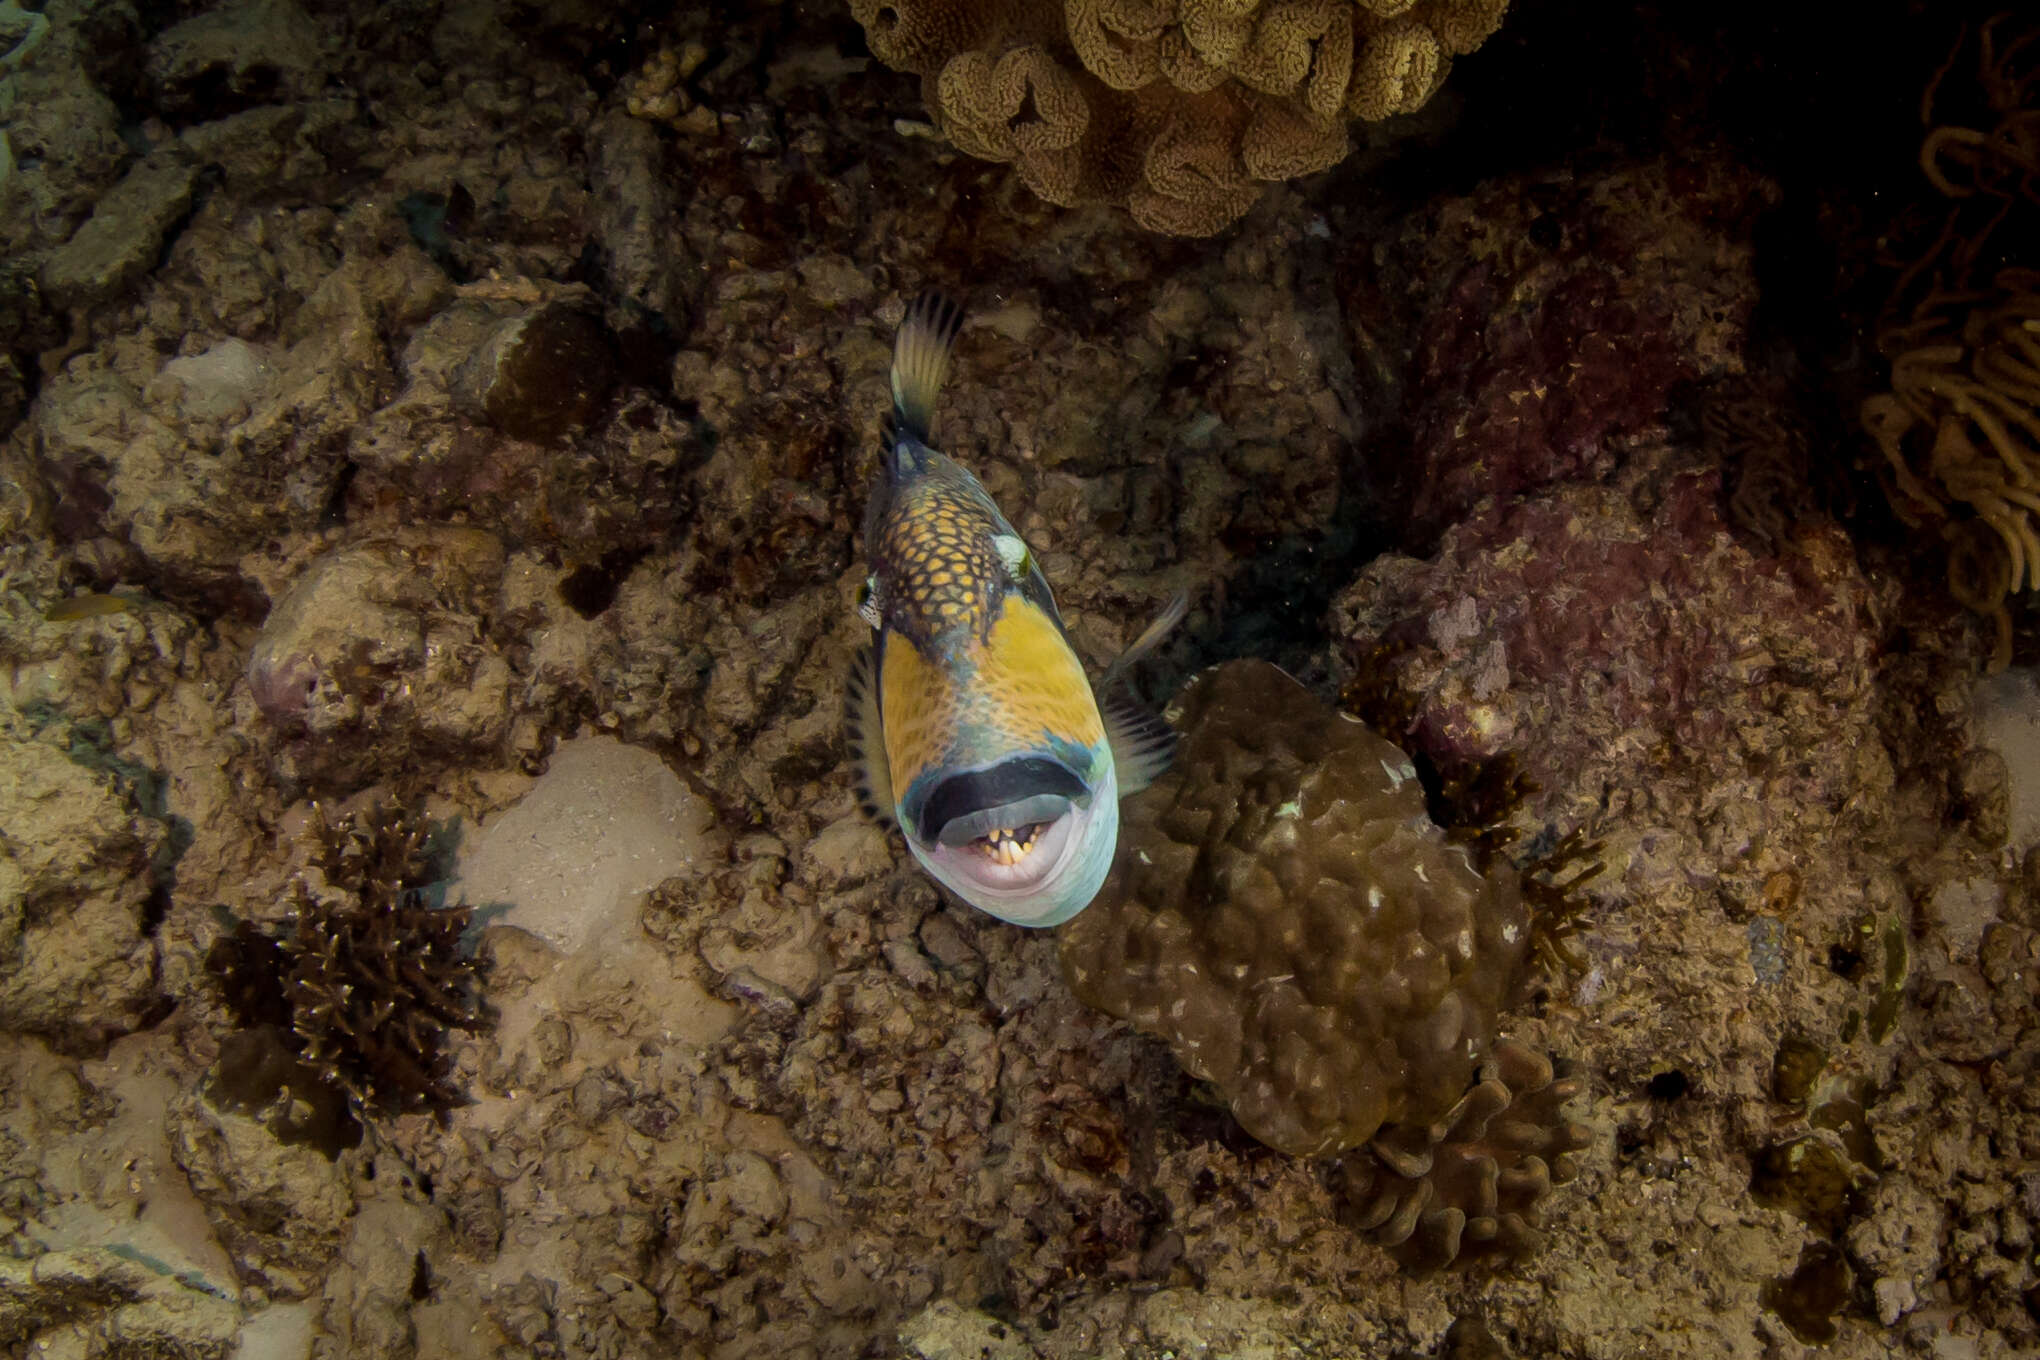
(790, 1103)
(366, 976)
(1284, 913)
(1181, 110)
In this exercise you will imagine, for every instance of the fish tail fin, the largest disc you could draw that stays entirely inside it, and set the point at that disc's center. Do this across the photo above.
(920, 358)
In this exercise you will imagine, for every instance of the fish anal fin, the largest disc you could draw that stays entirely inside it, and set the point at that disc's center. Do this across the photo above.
(864, 735)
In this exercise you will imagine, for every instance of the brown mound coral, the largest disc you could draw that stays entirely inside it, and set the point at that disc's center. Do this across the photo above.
(1469, 1185)
(1181, 110)
(1285, 914)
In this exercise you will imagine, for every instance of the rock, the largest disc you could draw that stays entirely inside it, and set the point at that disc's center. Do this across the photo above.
(378, 649)
(1553, 315)
(275, 146)
(849, 851)
(96, 1304)
(124, 238)
(62, 130)
(2005, 712)
(75, 880)
(949, 1331)
(280, 1209)
(539, 374)
(240, 54)
(391, 1245)
(637, 218)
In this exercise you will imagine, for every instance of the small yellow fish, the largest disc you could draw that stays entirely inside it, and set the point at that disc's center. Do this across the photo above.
(971, 720)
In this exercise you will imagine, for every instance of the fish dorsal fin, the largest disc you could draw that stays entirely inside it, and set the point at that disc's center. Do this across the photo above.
(1150, 638)
(920, 358)
(1142, 744)
(864, 734)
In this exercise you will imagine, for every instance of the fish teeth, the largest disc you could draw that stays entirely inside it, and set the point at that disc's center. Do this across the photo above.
(1006, 846)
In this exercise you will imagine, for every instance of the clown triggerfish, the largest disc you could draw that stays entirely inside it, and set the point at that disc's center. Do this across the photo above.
(971, 720)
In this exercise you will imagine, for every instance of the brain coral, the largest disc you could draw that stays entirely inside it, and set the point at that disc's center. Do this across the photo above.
(1287, 917)
(1178, 109)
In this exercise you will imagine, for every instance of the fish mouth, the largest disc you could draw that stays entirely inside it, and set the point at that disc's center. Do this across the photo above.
(1000, 837)
(1007, 846)
(1013, 857)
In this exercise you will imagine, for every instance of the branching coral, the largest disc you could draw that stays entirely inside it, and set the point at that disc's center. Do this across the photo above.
(1960, 428)
(367, 977)
(1181, 110)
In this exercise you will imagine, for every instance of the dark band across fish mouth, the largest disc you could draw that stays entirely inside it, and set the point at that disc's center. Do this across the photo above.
(1010, 796)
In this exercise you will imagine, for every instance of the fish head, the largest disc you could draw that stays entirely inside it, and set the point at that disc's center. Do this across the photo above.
(1009, 796)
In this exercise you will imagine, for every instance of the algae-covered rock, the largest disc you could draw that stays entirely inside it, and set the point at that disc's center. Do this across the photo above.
(75, 963)
(281, 1209)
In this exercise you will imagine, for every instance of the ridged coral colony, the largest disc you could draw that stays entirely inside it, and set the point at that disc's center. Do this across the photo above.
(1182, 111)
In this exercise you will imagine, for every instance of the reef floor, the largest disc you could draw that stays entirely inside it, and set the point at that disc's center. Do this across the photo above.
(451, 420)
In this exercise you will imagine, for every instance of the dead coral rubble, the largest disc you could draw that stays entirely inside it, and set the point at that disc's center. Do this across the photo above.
(1180, 110)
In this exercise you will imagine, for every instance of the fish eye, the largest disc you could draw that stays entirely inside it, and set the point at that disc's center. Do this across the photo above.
(1013, 553)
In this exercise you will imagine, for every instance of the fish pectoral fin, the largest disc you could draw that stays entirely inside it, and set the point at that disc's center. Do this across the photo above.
(863, 733)
(1142, 743)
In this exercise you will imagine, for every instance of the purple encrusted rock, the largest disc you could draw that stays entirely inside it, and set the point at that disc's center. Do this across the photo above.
(1552, 315)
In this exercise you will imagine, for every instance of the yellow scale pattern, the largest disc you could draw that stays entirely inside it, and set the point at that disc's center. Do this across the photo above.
(938, 544)
(1025, 679)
